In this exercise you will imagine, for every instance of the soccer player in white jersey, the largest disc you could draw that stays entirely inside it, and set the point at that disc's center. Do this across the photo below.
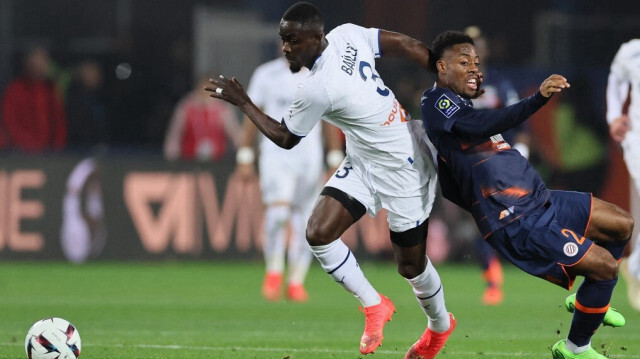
(625, 129)
(387, 163)
(290, 180)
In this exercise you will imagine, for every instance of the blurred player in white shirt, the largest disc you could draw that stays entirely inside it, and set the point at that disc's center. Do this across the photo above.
(290, 180)
(625, 129)
(387, 165)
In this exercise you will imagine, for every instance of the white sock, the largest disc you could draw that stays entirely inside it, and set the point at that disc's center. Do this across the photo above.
(634, 258)
(576, 349)
(298, 255)
(428, 290)
(276, 220)
(338, 261)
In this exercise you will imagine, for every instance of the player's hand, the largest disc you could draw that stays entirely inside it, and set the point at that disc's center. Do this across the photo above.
(553, 84)
(228, 90)
(619, 127)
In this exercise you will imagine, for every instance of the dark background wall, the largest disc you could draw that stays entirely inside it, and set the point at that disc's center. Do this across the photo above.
(158, 37)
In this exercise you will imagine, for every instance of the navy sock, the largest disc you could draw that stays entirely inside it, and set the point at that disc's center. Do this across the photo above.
(592, 302)
(615, 248)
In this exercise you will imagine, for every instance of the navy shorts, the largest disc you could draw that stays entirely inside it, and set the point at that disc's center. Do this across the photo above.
(546, 241)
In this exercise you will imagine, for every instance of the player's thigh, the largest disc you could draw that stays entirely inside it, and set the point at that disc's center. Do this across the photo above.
(410, 206)
(348, 179)
(609, 222)
(328, 221)
(571, 209)
(541, 246)
(344, 200)
(597, 264)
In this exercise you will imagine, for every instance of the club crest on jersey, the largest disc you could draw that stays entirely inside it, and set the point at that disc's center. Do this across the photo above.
(446, 106)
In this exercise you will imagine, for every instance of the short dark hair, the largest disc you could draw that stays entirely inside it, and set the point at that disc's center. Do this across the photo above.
(304, 13)
(444, 41)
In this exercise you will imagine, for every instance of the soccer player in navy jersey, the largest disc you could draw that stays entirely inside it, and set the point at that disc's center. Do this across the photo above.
(554, 235)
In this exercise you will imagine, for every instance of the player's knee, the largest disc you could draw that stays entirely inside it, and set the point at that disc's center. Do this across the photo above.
(611, 270)
(606, 270)
(625, 225)
(628, 225)
(318, 233)
(410, 270)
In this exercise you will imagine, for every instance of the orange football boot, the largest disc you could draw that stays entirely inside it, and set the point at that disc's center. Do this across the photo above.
(430, 343)
(375, 317)
(272, 287)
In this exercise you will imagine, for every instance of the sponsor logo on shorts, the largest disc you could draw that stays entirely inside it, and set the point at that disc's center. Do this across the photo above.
(570, 249)
(507, 212)
(446, 106)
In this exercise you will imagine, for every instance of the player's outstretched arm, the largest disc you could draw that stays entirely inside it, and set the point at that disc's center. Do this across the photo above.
(399, 45)
(471, 123)
(233, 92)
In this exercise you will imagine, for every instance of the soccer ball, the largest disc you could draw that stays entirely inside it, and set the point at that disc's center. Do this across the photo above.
(52, 338)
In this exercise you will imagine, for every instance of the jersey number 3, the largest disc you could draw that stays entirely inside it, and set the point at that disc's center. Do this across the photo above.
(374, 76)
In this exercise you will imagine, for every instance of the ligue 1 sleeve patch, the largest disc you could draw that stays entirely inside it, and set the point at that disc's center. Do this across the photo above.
(446, 106)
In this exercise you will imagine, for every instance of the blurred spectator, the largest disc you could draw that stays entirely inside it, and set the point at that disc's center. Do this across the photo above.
(32, 111)
(85, 107)
(201, 128)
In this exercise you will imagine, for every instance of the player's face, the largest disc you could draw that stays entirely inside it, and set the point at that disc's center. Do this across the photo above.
(300, 44)
(459, 71)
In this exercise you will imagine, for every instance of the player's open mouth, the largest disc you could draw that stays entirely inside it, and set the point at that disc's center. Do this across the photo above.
(472, 84)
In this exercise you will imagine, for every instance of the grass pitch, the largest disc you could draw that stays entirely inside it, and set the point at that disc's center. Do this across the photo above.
(215, 310)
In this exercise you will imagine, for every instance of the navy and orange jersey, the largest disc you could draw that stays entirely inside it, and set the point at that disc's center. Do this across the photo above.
(477, 168)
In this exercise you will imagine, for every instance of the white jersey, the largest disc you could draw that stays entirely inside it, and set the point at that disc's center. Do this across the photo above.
(272, 88)
(625, 70)
(344, 89)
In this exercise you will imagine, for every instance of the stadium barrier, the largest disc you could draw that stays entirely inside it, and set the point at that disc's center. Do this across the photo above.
(139, 208)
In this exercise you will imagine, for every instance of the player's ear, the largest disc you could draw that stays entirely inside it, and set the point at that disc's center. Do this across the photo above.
(441, 66)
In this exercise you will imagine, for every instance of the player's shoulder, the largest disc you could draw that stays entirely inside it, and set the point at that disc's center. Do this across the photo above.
(630, 48)
(346, 27)
(348, 30)
(434, 94)
(439, 100)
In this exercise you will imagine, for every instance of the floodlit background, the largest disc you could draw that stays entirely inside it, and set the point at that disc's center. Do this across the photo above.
(168, 43)
(121, 67)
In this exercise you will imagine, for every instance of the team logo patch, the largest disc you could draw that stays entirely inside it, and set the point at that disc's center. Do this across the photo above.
(570, 249)
(446, 106)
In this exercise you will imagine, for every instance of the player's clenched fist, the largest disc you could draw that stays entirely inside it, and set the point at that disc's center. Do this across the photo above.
(553, 84)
